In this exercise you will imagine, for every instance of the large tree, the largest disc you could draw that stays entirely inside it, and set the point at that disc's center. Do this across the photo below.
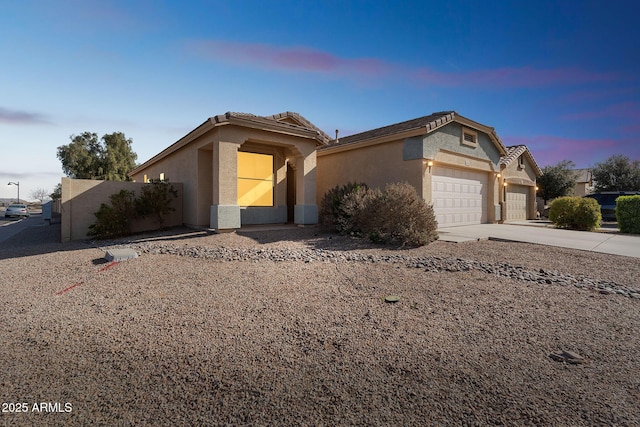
(617, 173)
(88, 157)
(556, 180)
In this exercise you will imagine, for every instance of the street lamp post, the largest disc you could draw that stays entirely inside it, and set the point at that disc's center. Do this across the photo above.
(17, 184)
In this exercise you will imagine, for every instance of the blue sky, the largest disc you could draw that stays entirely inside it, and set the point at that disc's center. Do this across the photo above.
(561, 77)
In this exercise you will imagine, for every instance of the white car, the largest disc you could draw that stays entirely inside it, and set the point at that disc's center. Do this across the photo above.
(16, 210)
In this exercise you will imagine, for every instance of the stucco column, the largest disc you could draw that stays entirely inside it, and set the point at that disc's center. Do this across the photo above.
(305, 210)
(531, 205)
(225, 212)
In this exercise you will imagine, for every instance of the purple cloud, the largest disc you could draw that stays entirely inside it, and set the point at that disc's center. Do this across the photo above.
(549, 150)
(21, 117)
(310, 60)
(293, 59)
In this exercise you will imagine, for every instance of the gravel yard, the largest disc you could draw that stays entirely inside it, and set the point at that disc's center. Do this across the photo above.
(290, 327)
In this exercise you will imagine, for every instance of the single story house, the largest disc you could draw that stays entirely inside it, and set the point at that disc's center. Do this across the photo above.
(240, 169)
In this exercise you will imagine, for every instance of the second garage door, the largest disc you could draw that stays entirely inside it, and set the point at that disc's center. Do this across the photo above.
(459, 196)
(516, 198)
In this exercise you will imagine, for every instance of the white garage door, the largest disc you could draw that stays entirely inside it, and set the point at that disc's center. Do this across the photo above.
(516, 197)
(459, 196)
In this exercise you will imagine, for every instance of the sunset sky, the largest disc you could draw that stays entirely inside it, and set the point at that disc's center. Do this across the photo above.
(561, 77)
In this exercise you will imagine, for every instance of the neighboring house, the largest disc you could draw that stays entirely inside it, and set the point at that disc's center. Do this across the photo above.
(584, 182)
(519, 172)
(240, 169)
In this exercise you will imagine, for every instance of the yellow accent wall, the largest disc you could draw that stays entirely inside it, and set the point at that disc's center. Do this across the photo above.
(255, 179)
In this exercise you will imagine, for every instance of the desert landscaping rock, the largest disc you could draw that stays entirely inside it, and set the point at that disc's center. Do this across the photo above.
(290, 328)
(429, 264)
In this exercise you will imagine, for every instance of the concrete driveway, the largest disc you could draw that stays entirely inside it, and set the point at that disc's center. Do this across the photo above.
(540, 233)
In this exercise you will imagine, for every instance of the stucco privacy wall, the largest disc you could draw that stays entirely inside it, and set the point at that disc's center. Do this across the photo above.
(81, 198)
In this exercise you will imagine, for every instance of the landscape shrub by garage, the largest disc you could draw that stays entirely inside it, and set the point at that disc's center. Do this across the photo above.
(395, 214)
(576, 213)
(628, 214)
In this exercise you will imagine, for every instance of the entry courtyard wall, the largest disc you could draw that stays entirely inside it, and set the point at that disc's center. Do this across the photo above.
(81, 198)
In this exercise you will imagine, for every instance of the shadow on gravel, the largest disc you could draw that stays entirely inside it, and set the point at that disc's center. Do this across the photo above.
(36, 240)
(42, 238)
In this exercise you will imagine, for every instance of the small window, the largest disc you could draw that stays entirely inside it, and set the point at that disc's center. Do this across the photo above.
(162, 176)
(521, 162)
(469, 138)
(146, 178)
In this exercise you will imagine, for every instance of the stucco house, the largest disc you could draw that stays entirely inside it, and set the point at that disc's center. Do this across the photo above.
(584, 182)
(240, 169)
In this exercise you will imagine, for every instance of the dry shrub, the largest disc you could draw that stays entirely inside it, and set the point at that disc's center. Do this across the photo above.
(395, 215)
(398, 215)
(338, 205)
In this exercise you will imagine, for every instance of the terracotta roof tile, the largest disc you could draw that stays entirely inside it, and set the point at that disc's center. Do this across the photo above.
(431, 121)
(515, 151)
(301, 122)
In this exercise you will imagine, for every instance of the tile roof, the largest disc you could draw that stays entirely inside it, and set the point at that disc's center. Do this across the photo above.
(515, 151)
(299, 121)
(429, 122)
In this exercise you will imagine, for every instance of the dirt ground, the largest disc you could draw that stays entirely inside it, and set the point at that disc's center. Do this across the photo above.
(184, 340)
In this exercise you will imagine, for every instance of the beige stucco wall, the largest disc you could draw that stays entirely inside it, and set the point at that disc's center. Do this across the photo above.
(183, 166)
(81, 198)
(375, 165)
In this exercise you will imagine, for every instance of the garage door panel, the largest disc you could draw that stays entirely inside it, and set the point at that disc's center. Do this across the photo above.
(459, 196)
(516, 199)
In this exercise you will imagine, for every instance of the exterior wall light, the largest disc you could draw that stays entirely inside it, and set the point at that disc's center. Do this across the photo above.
(428, 163)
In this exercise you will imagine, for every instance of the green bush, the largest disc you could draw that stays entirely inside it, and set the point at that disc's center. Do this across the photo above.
(394, 215)
(114, 220)
(576, 213)
(155, 200)
(628, 214)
